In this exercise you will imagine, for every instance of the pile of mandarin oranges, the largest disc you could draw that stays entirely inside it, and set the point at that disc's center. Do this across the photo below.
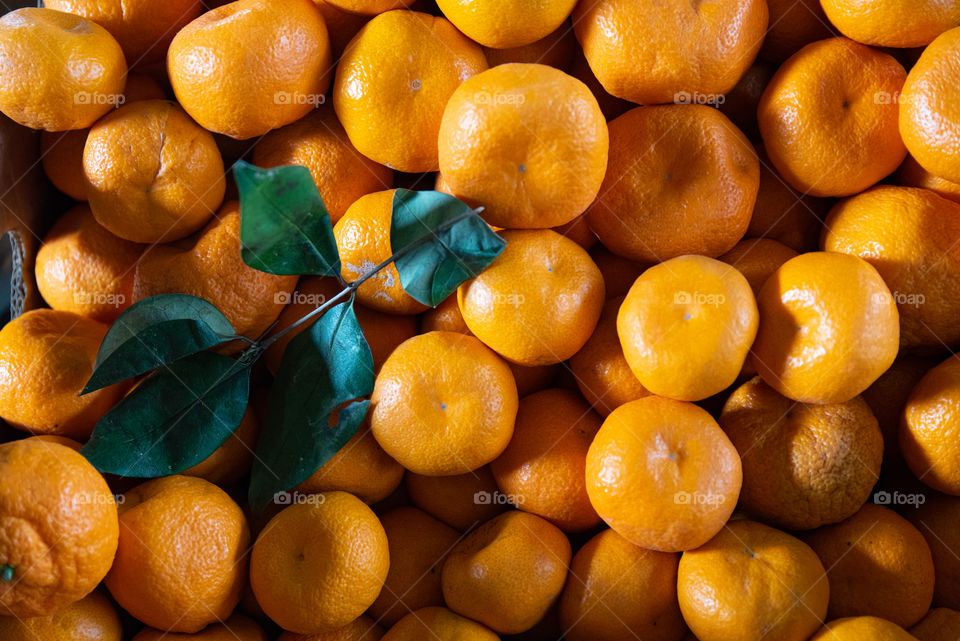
(707, 392)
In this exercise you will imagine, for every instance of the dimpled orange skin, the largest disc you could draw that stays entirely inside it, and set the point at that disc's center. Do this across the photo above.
(912, 174)
(538, 302)
(877, 564)
(382, 331)
(803, 465)
(940, 624)
(152, 175)
(363, 628)
(619, 591)
(829, 118)
(543, 466)
(369, 7)
(92, 618)
(893, 23)
(143, 28)
(663, 474)
(209, 265)
(318, 142)
(419, 544)
(460, 501)
(686, 327)
(237, 628)
(504, 25)
(649, 52)
(443, 404)
(60, 71)
(390, 103)
(438, 623)
(506, 146)
(600, 368)
(858, 628)
(318, 565)
(908, 235)
(81, 267)
(180, 564)
(231, 84)
(752, 582)
(363, 239)
(59, 530)
(46, 357)
(938, 519)
(508, 572)
(929, 111)
(931, 425)
(360, 467)
(828, 328)
(682, 179)
(757, 259)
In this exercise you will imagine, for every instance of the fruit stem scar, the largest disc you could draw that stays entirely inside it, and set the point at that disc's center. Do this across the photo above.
(6, 573)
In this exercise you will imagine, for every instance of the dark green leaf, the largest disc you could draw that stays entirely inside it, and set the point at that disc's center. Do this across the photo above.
(155, 331)
(453, 244)
(284, 225)
(174, 419)
(323, 367)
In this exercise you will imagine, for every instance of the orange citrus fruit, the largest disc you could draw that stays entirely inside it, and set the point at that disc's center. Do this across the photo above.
(857, 628)
(671, 167)
(369, 7)
(538, 302)
(892, 23)
(783, 214)
(542, 469)
(489, 575)
(59, 530)
(618, 591)
(829, 117)
(793, 24)
(650, 53)
(233, 85)
(462, 501)
(152, 174)
(363, 628)
(757, 259)
(940, 624)
(232, 460)
(663, 474)
(61, 71)
(92, 618)
(503, 25)
(929, 428)
(506, 146)
(83, 268)
(803, 465)
(752, 582)
(318, 565)
(46, 358)
(938, 519)
(443, 404)
(912, 174)
(828, 328)
(236, 628)
(439, 624)
(393, 81)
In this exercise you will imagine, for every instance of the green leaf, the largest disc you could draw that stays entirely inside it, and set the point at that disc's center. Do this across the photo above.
(156, 331)
(284, 225)
(174, 419)
(323, 368)
(450, 243)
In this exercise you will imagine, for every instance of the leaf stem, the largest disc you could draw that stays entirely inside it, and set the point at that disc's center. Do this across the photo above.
(353, 286)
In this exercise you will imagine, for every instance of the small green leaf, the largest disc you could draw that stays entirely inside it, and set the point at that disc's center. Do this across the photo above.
(156, 331)
(323, 367)
(173, 420)
(450, 243)
(284, 225)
